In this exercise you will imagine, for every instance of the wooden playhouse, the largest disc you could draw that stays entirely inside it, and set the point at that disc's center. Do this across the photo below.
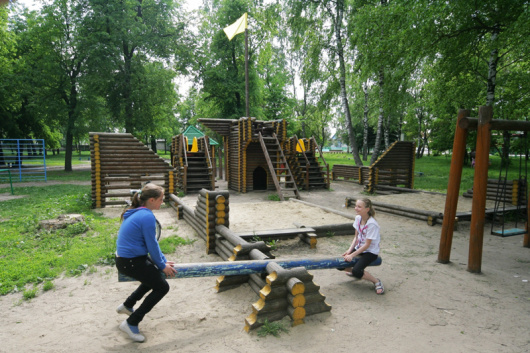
(259, 156)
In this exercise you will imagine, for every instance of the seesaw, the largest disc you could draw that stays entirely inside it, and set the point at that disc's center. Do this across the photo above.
(231, 268)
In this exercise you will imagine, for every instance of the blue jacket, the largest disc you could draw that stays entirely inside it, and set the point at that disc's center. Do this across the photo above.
(137, 236)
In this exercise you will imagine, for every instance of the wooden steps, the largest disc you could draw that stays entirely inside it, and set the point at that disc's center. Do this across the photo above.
(278, 167)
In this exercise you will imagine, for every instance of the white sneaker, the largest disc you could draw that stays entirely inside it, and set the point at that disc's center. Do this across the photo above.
(122, 309)
(137, 337)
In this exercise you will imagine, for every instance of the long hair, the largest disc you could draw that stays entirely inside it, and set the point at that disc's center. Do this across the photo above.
(368, 204)
(148, 191)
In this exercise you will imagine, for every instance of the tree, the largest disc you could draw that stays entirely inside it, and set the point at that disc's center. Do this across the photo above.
(54, 55)
(135, 45)
(333, 12)
(485, 42)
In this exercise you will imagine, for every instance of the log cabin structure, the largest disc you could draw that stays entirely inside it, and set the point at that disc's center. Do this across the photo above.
(121, 163)
(259, 156)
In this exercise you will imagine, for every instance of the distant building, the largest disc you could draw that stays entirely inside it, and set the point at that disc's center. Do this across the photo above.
(336, 145)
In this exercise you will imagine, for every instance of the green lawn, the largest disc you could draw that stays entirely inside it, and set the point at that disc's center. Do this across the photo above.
(432, 173)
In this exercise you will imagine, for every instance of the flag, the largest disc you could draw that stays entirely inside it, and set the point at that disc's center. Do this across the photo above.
(237, 27)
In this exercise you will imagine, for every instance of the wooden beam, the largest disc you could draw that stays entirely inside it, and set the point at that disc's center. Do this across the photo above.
(476, 232)
(453, 188)
(496, 124)
(229, 268)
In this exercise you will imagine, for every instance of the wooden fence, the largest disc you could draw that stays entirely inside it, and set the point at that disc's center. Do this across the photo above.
(395, 167)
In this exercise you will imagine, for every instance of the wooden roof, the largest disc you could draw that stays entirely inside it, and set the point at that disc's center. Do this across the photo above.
(191, 132)
(221, 126)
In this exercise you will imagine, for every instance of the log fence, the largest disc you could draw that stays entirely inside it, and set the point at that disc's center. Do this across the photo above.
(395, 167)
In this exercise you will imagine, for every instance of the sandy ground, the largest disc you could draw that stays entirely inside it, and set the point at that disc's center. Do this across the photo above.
(427, 307)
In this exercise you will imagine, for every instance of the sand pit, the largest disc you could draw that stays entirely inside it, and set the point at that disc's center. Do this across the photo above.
(427, 307)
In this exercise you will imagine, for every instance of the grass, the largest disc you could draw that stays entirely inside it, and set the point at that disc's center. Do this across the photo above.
(271, 328)
(432, 172)
(30, 255)
(169, 244)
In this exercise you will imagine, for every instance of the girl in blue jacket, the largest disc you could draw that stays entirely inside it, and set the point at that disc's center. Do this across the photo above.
(137, 239)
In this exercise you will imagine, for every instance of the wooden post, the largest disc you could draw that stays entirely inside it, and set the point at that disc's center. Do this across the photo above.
(526, 239)
(227, 158)
(478, 209)
(220, 169)
(453, 188)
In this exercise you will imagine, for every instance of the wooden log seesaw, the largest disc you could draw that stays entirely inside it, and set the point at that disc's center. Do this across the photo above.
(230, 268)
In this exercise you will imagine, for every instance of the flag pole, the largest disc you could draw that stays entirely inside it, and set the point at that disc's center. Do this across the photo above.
(246, 75)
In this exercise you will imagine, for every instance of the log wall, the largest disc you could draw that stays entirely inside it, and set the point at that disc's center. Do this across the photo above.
(395, 167)
(511, 192)
(119, 163)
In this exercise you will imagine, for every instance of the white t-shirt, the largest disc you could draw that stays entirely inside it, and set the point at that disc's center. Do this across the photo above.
(368, 231)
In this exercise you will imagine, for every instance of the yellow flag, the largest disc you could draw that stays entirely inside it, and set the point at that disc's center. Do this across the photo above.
(237, 27)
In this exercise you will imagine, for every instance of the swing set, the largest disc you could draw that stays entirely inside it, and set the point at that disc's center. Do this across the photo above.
(483, 124)
(510, 195)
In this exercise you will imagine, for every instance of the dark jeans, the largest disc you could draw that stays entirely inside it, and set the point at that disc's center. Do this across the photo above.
(143, 270)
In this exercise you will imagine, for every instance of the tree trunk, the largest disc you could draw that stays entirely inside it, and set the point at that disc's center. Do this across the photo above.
(153, 144)
(419, 151)
(377, 144)
(129, 125)
(365, 122)
(71, 102)
(337, 22)
(492, 72)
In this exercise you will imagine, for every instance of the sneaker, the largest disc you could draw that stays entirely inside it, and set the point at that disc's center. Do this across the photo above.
(122, 309)
(132, 331)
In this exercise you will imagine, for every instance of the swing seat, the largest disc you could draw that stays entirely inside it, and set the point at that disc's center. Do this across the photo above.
(509, 232)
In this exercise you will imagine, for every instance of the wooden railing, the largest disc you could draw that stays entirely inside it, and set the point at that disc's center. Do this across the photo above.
(323, 159)
(307, 163)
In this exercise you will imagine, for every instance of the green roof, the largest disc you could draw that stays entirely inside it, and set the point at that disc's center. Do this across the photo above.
(191, 132)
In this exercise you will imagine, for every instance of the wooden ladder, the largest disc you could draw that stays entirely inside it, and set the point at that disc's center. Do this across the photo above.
(271, 145)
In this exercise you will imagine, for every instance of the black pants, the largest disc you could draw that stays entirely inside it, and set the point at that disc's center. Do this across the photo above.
(365, 259)
(143, 270)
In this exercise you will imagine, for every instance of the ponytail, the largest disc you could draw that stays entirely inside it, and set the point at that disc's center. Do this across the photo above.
(140, 197)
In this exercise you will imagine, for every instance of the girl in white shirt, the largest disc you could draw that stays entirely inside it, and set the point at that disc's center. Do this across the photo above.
(365, 244)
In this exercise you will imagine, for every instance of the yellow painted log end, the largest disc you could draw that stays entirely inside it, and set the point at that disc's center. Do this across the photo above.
(272, 277)
(298, 288)
(298, 322)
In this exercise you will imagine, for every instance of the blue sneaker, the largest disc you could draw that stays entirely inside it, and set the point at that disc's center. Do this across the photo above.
(132, 331)
(122, 309)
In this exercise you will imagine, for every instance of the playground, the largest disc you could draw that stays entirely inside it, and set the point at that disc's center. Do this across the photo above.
(427, 307)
